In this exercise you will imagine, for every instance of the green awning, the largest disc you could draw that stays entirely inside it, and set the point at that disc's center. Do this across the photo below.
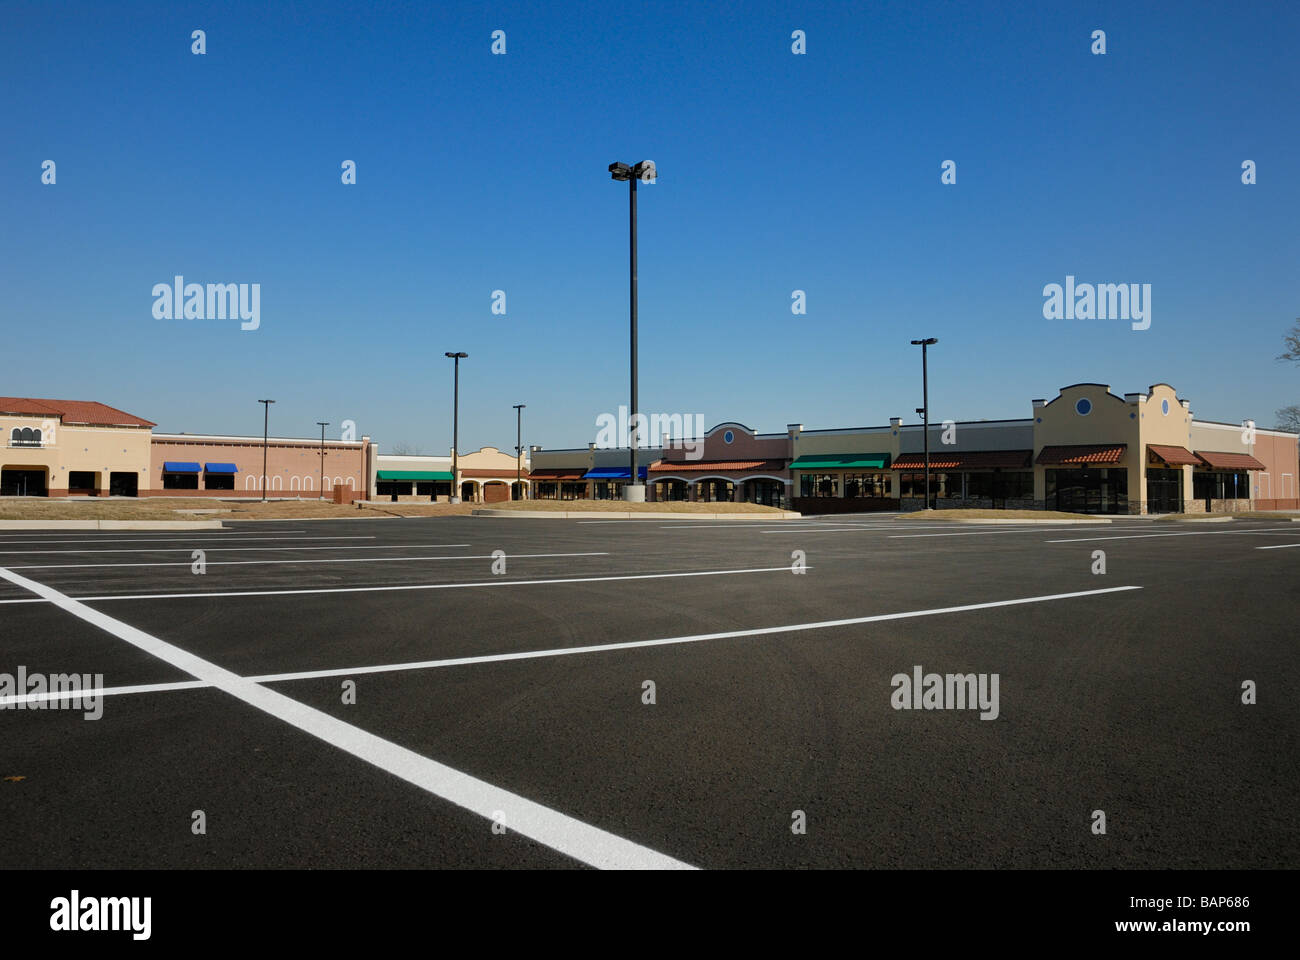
(414, 475)
(841, 461)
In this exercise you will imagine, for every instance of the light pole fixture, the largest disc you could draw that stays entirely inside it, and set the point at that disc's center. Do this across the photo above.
(925, 411)
(644, 171)
(266, 427)
(322, 424)
(519, 448)
(456, 358)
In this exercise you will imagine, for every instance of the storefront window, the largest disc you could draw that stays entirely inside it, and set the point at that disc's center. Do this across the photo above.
(866, 485)
(819, 485)
(913, 485)
(1221, 486)
(1000, 485)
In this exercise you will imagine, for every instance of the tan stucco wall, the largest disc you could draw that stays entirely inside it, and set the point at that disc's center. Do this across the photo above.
(874, 440)
(1108, 422)
(1173, 429)
(101, 450)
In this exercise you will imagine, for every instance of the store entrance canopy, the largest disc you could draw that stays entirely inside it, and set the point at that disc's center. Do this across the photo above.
(413, 475)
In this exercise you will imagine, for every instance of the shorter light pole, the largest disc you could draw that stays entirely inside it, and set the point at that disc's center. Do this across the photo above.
(322, 424)
(519, 448)
(925, 410)
(456, 357)
(266, 428)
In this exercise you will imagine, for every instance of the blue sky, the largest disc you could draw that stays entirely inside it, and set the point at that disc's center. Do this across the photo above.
(778, 172)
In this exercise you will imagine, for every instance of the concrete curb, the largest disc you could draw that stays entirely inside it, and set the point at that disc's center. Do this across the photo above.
(1201, 520)
(631, 515)
(111, 525)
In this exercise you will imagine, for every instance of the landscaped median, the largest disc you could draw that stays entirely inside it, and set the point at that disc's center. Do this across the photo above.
(622, 510)
(1004, 516)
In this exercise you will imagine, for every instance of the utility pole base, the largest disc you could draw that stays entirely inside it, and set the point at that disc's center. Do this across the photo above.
(634, 493)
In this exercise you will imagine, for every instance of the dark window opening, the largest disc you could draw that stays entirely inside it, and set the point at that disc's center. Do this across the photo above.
(123, 484)
(180, 481)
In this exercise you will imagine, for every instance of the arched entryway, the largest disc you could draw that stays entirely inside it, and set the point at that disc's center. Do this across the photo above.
(495, 491)
(671, 489)
(714, 490)
(469, 492)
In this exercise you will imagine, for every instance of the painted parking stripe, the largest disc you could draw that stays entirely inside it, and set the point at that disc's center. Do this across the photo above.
(846, 528)
(226, 539)
(572, 837)
(259, 563)
(189, 547)
(1026, 528)
(1279, 546)
(590, 648)
(1190, 533)
(413, 586)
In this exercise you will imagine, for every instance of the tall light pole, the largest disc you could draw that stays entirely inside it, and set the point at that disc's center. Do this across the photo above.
(455, 422)
(925, 408)
(519, 448)
(645, 171)
(322, 424)
(266, 427)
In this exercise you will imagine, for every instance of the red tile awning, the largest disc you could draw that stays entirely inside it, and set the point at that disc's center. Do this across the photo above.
(1082, 453)
(1174, 456)
(967, 460)
(554, 474)
(1230, 461)
(718, 466)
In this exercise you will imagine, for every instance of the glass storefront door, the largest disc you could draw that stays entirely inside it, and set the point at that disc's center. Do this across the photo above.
(1096, 490)
(1164, 491)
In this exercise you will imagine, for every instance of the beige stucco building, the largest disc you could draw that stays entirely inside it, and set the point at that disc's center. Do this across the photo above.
(59, 448)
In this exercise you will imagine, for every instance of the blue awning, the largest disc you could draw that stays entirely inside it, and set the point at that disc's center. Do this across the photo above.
(613, 473)
(179, 466)
(220, 468)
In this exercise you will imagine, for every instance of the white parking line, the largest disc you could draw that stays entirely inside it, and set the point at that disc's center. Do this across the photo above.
(259, 563)
(847, 528)
(189, 547)
(581, 841)
(1026, 528)
(566, 651)
(227, 539)
(413, 586)
(1279, 546)
(1190, 533)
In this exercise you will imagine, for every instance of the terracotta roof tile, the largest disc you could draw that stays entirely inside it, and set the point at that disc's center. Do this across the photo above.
(967, 460)
(1082, 453)
(717, 466)
(87, 412)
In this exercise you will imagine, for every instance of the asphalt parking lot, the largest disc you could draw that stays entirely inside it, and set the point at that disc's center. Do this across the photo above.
(496, 676)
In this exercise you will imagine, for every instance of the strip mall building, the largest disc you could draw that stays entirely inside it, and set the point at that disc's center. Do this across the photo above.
(1085, 451)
